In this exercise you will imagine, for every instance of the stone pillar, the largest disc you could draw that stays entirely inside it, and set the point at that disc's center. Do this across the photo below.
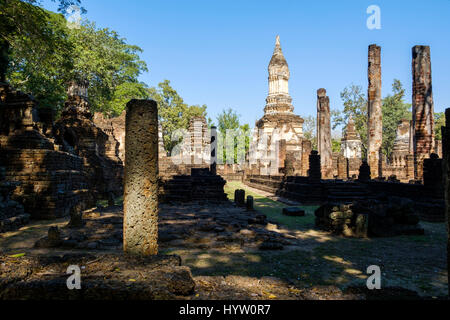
(314, 173)
(213, 161)
(289, 167)
(446, 174)
(432, 175)
(140, 222)
(239, 197)
(249, 203)
(324, 133)
(342, 167)
(306, 151)
(375, 116)
(422, 107)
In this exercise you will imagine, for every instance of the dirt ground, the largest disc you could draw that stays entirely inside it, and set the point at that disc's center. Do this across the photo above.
(235, 254)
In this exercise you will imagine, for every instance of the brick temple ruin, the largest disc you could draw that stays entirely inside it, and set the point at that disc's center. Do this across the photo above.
(278, 147)
(52, 168)
(56, 167)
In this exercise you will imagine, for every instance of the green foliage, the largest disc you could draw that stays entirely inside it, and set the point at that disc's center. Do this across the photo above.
(355, 104)
(336, 145)
(394, 110)
(111, 66)
(228, 120)
(439, 122)
(43, 67)
(173, 113)
(25, 20)
(245, 132)
(309, 130)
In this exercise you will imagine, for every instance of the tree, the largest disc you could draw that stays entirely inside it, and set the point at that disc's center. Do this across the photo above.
(42, 68)
(439, 122)
(227, 120)
(309, 130)
(24, 19)
(394, 110)
(228, 123)
(355, 104)
(336, 145)
(111, 66)
(100, 56)
(173, 113)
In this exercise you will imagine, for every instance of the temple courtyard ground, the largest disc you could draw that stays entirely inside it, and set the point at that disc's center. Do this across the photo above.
(239, 254)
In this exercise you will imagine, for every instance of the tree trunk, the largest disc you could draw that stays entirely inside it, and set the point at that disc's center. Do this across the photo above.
(4, 58)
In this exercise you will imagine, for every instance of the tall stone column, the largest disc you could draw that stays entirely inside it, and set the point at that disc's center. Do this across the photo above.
(422, 107)
(140, 222)
(314, 174)
(375, 116)
(324, 133)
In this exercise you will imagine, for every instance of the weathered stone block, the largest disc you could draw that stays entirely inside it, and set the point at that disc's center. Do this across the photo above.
(239, 197)
(249, 203)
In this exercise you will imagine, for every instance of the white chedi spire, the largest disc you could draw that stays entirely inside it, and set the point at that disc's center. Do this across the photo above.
(278, 71)
(278, 100)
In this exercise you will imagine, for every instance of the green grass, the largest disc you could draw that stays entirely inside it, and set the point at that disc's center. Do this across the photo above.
(413, 262)
(117, 201)
(273, 209)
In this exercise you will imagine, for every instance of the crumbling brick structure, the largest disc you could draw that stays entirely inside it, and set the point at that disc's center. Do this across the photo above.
(422, 107)
(78, 134)
(201, 184)
(402, 145)
(351, 150)
(370, 218)
(115, 129)
(12, 213)
(50, 181)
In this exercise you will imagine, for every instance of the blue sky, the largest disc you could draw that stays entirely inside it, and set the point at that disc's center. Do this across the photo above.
(216, 52)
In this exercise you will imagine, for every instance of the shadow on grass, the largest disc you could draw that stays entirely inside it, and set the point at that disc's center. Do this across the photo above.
(415, 263)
